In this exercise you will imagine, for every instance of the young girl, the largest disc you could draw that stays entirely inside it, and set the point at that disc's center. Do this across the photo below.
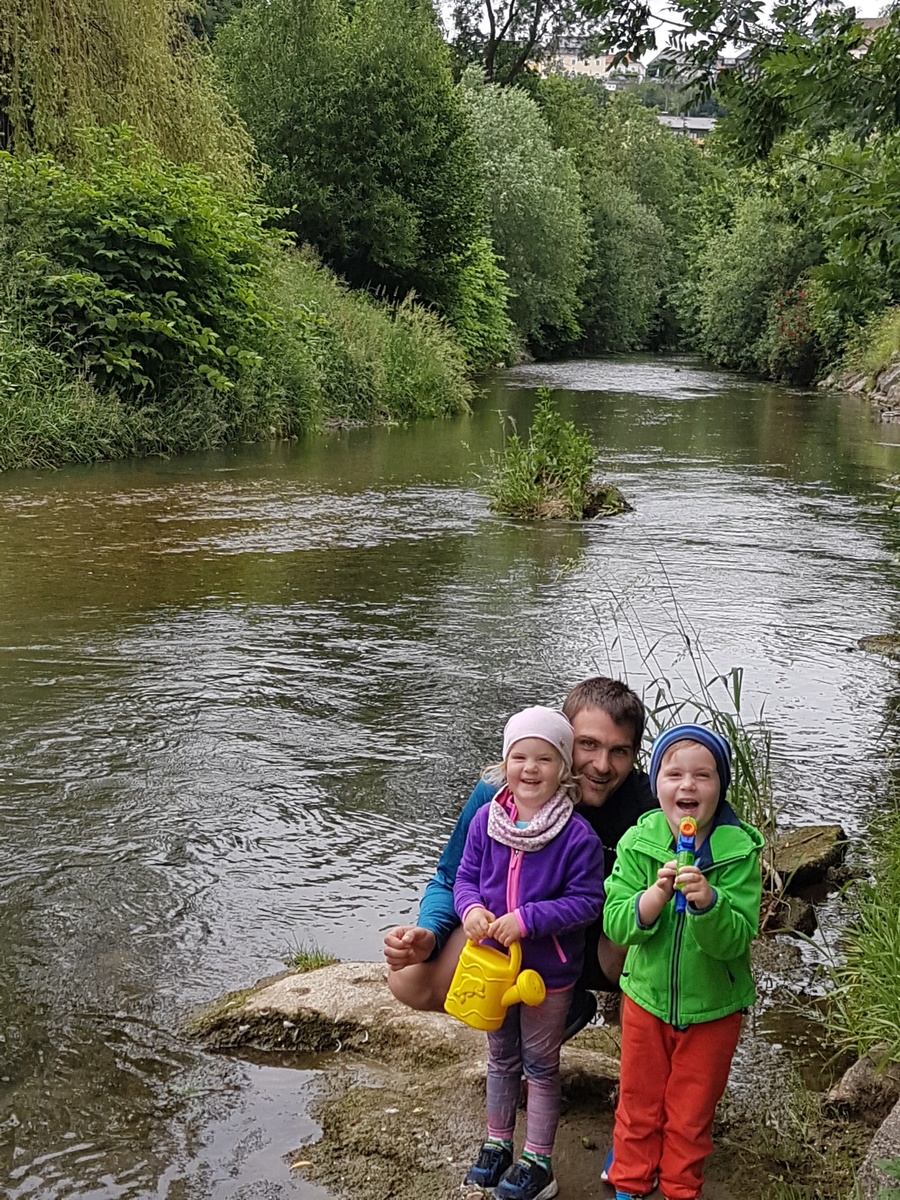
(531, 871)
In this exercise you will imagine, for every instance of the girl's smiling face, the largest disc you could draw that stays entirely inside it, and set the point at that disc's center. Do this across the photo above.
(688, 786)
(533, 771)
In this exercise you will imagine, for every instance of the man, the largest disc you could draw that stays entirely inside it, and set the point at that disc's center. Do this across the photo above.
(607, 718)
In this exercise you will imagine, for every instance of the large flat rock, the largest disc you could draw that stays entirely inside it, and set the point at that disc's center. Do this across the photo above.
(348, 1007)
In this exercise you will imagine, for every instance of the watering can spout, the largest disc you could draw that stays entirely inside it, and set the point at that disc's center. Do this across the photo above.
(486, 982)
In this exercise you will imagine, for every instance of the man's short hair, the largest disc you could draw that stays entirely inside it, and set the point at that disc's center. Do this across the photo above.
(616, 699)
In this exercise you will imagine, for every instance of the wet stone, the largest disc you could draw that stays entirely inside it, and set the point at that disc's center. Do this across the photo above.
(805, 856)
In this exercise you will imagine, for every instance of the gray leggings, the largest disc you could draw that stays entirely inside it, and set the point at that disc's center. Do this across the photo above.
(527, 1043)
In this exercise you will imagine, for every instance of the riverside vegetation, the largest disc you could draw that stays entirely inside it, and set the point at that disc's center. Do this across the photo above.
(237, 244)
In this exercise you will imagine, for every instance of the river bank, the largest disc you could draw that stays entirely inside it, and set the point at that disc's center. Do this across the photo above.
(400, 1098)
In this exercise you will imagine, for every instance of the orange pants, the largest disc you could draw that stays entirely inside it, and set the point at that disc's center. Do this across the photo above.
(670, 1085)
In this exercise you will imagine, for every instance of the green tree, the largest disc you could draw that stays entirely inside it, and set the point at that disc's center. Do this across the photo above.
(68, 64)
(743, 265)
(367, 143)
(637, 183)
(508, 36)
(533, 195)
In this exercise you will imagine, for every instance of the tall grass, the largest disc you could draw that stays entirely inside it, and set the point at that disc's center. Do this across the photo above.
(328, 353)
(876, 344)
(694, 689)
(864, 994)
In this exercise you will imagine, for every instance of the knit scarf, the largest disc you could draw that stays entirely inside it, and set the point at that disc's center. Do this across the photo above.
(547, 822)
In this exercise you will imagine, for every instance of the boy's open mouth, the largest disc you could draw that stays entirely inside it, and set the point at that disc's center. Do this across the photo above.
(688, 806)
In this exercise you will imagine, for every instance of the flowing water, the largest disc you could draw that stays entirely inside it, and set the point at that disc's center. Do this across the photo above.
(243, 694)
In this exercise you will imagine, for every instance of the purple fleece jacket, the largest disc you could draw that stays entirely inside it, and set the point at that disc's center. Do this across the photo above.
(555, 892)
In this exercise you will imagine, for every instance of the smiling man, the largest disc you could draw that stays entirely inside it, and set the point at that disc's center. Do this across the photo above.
(608, 723)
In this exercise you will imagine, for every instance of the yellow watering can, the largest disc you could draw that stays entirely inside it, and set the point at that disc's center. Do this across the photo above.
(486, 982)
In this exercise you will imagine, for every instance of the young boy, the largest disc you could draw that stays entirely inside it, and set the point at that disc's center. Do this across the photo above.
(687, 976)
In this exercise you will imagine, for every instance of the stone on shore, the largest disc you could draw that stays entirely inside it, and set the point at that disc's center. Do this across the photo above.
(870, 1088)
(871, 1179)
(348, 1007)
(805, 856)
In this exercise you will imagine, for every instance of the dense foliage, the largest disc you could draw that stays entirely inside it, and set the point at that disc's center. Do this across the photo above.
(140, 273)
(367, 142)
(532, 194)
(68, 64)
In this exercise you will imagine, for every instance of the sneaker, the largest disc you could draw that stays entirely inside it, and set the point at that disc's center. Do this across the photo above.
(526, 1181)
(582, 1011)
(489, 1168)
(604, 1174)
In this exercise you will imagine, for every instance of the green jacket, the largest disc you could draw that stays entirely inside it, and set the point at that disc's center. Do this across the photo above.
(693, 966)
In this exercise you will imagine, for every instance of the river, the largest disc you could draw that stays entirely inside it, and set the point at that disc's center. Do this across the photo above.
(243, 694)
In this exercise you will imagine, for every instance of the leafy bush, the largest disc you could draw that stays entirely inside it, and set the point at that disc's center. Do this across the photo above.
(479, 311)
(788, 348)
(141, 273)
(739, 268)
(549, 475)
(533, 197)
(369, 150)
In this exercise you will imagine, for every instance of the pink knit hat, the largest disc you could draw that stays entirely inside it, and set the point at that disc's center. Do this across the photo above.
(539, 722)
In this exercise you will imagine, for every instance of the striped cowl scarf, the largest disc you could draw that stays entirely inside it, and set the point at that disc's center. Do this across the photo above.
(547, 822)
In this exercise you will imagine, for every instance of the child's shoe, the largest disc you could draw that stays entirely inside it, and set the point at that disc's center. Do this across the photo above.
(604, 1174)
(526, 1180)
(489, 1168)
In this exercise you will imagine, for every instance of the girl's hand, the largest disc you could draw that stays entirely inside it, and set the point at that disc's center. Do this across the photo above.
(506, 930)
(694, 887)
(477, 923)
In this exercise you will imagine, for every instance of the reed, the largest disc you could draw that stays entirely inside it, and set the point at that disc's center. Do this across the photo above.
(694, 689)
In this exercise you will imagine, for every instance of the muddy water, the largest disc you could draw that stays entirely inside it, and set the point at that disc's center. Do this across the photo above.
(242, 696)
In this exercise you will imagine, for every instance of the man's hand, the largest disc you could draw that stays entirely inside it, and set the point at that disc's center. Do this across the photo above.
(477, 923)
(693, 885)
(406, 945)
(505, 930)
(656, 897)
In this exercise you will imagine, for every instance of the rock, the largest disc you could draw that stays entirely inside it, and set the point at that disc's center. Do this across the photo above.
(885, 1145)
(804, 856)
(782, 913)
(888, 379)
(887, 644)
(870, 1088)
(348, 1007)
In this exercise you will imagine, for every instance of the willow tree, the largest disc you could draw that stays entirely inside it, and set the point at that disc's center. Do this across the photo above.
(67, 64)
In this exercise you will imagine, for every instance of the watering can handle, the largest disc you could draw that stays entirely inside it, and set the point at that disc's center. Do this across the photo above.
(515, 956)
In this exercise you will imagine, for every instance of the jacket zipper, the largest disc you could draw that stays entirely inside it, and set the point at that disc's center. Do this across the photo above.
(675, 966)
(512, 880)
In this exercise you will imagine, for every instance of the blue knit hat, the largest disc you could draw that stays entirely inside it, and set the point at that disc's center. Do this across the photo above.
(714, 743)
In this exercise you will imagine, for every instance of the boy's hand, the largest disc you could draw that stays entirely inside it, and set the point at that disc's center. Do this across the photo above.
(658, 895)
(506, 930)
(477, 923)
(694, 887)
(406, 945)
